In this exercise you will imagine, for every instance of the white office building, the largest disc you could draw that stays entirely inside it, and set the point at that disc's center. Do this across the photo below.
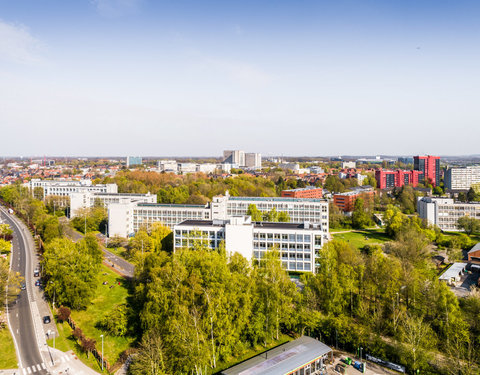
(125, 219)
(298, 244)
(79, 201)
(167, 166)
(462, 178)
(445, 212)
(66, 188)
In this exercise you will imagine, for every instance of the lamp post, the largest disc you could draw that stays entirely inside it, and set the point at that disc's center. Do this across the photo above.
(102, 350)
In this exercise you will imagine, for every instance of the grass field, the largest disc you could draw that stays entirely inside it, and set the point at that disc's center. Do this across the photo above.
(107, 297)
(8, 359)
(360, 238)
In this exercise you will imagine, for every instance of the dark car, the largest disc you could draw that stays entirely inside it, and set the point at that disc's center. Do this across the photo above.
(37, 283)
(36, 273)
(46, 319)
(23, 286)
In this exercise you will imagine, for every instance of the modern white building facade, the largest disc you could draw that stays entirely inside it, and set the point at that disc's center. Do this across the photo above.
(297, 244)
(462, 178)
(66, 188)
(445, 212)
(225, 207)
(88, 199)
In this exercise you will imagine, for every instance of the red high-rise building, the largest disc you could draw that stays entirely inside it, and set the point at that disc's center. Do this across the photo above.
(398, 178)
(430, 166)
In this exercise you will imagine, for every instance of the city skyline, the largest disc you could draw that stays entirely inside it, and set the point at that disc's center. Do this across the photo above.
(137, 77)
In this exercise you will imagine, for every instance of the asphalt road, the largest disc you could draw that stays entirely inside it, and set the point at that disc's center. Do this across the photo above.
(20, 317)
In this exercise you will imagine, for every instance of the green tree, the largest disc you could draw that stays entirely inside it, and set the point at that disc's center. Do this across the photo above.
(468, 224)
(472, 195)
(254, 212)
(71, 271)
(115, 322)
(150, 359)
(360, 217)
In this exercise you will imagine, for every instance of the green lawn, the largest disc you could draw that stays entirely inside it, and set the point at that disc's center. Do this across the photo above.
(8, 359)
(65, 342)
(106, 299)
(364, 237)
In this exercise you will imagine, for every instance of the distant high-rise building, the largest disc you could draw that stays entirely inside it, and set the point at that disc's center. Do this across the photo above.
(430, 166)
(133, 160)
(462, 178)
(234, 157)
(253, 160)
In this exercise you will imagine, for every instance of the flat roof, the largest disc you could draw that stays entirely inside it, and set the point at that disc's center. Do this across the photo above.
(453, 271)
(171, 205)
(305, 188)
(283, 359)
(257, 224)
(276, 199)
(122, 194)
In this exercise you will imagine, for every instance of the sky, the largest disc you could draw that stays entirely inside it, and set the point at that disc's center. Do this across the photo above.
(192, 78)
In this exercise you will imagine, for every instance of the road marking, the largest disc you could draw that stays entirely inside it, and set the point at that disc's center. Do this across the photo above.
(34, 369)
(28, 370)
(43, 366)
(24, 371)
(39, 368)
(63, 359)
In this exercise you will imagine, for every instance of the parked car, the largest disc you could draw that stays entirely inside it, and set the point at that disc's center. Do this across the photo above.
(23, 286)
(36, 272)
(37, 283)
(46, 319)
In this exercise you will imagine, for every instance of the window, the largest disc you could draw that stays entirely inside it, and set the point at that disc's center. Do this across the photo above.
(291, 238)
(307, 238)
(270, 236)
(284, 237)
(299, 237)
(262, 236)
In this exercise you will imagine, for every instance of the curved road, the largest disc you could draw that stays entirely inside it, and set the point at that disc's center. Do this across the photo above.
(20, 313)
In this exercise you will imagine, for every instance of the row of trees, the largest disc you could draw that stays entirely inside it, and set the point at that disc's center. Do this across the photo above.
(200, 308)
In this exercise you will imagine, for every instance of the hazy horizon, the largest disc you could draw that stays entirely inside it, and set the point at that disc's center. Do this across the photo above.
(143, 77)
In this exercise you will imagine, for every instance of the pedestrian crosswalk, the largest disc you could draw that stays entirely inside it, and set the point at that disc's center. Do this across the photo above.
(33, 369)
(41, 366)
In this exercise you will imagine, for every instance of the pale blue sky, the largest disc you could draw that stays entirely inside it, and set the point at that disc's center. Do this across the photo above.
(118, 77)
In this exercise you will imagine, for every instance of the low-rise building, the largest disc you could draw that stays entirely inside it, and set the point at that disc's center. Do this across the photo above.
(125, 219)
(298, 244)
(306, 192)
(88, 199)
(67, 187)
(302, 356)
(346, 201)
(474, 253)
(349, 164)
(445, 212)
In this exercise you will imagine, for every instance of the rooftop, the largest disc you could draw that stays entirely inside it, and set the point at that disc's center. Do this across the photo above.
(475, 248)
(283, 359)
(276, 199)
(305, 188)
(453, 271)
(171, 205)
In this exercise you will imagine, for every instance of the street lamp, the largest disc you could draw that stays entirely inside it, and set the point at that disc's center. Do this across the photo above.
(102, 350)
